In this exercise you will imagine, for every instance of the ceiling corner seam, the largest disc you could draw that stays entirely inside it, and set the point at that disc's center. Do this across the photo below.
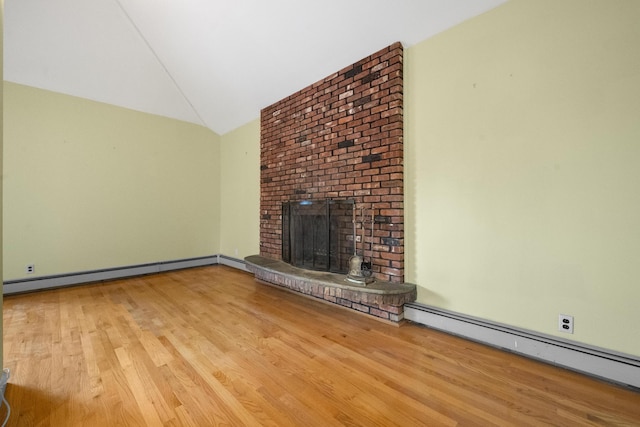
(164, 67)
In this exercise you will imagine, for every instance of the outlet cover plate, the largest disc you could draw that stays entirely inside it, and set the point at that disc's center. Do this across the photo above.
(565, 323)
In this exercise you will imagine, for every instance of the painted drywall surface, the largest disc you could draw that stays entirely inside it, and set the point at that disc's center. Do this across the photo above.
(240, 191)
(89, 185)
(1, 156)
(522, 168)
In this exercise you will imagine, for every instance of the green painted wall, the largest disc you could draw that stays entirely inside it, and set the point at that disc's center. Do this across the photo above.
(89, 185)
(240, 191)
(523, 168)
(1, 172)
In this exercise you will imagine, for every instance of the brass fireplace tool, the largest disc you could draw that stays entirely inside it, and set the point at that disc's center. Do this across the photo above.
(359, 270)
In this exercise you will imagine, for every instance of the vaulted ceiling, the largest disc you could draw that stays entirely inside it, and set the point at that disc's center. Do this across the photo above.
(210, 62)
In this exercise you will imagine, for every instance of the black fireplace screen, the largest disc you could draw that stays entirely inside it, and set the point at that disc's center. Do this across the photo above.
(318, 234)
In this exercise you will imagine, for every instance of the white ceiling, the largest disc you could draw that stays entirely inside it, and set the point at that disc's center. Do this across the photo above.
(211, 62)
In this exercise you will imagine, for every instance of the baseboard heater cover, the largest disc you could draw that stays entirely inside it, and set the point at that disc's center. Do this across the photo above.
(236, 263)
(57, 281)
(605, 364)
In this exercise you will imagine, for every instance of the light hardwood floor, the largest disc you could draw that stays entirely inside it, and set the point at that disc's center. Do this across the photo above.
(210, 346)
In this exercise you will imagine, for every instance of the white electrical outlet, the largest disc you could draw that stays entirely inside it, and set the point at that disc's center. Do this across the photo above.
(31, 268)
(565, 323)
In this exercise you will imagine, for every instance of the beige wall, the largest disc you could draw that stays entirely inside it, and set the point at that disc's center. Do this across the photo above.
(523, 168)
(1, 156)
(240, 191)
(89, 185)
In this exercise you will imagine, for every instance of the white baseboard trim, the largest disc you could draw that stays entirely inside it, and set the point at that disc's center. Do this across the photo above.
(605, 364)
(69, 279)
(233, 262)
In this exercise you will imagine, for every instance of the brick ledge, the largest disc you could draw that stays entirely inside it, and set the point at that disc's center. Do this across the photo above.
(380, 299)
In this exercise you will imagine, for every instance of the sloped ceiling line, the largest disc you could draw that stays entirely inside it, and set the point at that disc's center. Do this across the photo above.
(161, 63)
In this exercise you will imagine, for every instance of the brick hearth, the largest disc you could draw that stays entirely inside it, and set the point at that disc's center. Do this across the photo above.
(382, 300)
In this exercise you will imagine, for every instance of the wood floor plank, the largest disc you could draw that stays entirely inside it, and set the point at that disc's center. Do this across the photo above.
(211, 346)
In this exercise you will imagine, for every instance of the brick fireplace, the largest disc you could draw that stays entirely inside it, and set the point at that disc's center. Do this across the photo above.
(341, 139)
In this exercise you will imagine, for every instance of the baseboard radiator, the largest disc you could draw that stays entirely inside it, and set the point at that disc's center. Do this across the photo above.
(605, 364)
(233, 262)
(76, 278)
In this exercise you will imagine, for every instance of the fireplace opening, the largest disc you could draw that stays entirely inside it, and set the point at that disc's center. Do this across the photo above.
(317, 234)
